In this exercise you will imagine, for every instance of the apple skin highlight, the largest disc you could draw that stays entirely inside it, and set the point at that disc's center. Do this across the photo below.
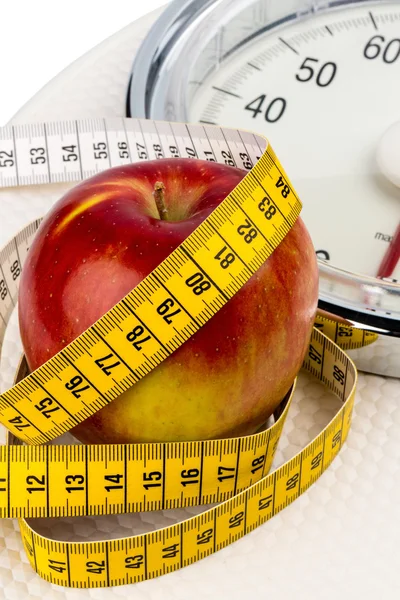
(102, 238)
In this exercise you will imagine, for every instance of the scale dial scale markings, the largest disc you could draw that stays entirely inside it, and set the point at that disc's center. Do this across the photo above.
(320, 80)
(314, 87)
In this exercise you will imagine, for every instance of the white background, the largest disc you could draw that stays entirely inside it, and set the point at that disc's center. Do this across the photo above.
(40, 38)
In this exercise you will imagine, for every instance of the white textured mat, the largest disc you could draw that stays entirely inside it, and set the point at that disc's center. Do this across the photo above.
(340, 540)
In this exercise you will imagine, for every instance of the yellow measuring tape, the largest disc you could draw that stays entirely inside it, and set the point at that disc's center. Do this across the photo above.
(43, 481)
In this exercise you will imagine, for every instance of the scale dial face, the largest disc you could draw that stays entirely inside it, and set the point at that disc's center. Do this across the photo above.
(323, 90)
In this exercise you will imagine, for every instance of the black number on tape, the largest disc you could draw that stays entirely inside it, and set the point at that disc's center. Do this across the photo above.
(189, 476)
(245, 158)
(226, 473)
(154, 477)
(209, 154)
(316, 461)
(315, 355)
(100, 150)
(281, 183)
(336, 438)
(106, 368)
(73, 384)
(257, 463)
(44, 407)
(292, 482)
(113, 479)
(28, 546)
(268, 211)
(57, 565)
(78, 480)
(96, 567)
(205, 537)
(69, 153)
(164, 310)
(31, 480)
(15, 270)
(18, 423)
(338, 375)
(170, 551)
(3, 289)
(134, 334)
(345, 331)
(191, 152)
(198, 283)
(264, 503)
(228, 158)
(158, 151)
(225, 257)
(134, 562)
(123, 150)
(236, 520)
(6, 158)
(248, 231)
(37, 156)
(141, 150)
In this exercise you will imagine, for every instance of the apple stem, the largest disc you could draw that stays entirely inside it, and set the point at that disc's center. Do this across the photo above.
(158, 193)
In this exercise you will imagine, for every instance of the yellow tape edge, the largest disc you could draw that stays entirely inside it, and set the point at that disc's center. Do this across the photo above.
(168, 549)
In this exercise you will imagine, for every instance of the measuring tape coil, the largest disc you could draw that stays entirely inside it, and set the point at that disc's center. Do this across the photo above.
(77, 480)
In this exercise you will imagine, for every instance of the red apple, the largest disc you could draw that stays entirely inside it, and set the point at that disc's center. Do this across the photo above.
(102, 238)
